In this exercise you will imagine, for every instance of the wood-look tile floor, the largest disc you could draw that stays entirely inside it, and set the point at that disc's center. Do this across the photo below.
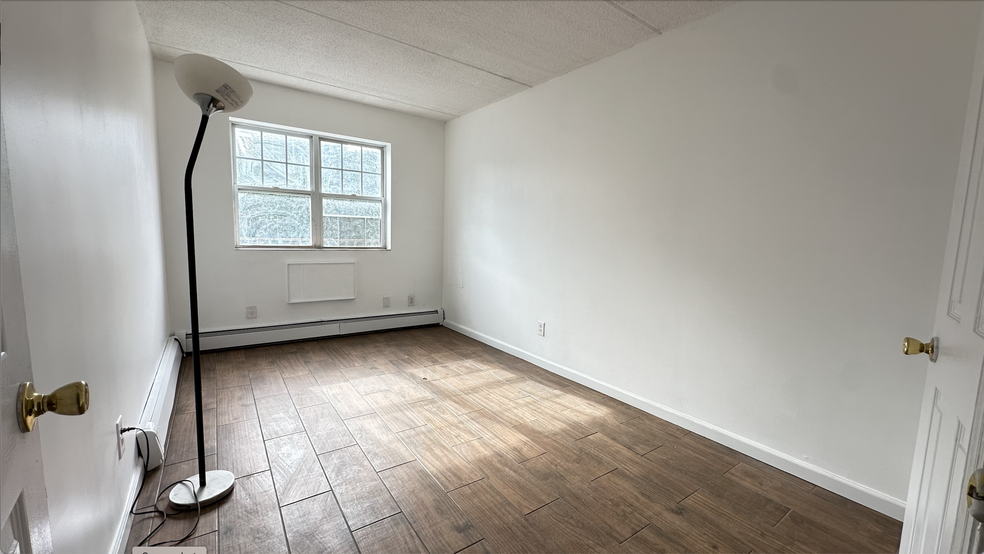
(424, 440)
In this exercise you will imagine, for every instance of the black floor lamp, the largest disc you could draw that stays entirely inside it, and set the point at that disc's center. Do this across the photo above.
(214, 87)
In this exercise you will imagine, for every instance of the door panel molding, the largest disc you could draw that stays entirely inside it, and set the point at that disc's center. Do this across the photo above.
(971, 196)
(967, 185)
(932, 448)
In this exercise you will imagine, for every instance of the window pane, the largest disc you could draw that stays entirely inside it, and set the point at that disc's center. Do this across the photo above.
(342, 206)
(352, 157)
(274, 219)
(298, 177)
(331, 181)
(351, 222)
(249, 173)
(274, 147)
(371, 159)
(247, 143)
(370, 185)
(298, 150)
(331, 231)
(274, 175)
(352, 231)
(349, 231)
(372, 232)
(351, 182)
(331, 154)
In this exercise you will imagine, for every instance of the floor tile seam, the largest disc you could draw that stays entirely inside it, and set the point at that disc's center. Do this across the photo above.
(256, 419)
(359, 528)
(308, 497)
(276, 496)
(541, 507)
(649, 524)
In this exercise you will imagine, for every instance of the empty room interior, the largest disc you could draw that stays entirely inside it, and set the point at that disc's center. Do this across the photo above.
(447, 277)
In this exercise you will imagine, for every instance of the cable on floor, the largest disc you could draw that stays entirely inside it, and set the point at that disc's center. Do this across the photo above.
(152, 509)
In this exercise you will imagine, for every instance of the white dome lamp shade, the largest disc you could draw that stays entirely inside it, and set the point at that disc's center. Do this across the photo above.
(214, 87)
(206, 79)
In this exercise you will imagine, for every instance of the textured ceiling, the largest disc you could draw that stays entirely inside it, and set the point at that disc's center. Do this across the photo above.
(437, 59)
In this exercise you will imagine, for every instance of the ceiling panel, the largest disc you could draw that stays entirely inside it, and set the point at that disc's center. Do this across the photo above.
(268, 76)
(437, 59)
(278, 37)
(529, 42)
(670, 14)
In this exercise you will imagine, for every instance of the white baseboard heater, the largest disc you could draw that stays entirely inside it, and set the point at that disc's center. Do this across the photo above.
(157, 414)
(253, 336)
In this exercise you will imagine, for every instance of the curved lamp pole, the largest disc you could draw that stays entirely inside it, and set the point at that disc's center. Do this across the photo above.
(214, 87)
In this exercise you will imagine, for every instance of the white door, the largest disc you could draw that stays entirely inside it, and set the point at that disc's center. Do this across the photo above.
(948, 445)
(23, 499)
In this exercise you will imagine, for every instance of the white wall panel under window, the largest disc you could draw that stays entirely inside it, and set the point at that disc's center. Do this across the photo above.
(318, 282)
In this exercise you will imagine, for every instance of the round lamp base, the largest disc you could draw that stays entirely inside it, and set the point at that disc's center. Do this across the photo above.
(219, 483)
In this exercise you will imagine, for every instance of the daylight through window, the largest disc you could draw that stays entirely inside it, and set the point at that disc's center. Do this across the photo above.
(308, 190)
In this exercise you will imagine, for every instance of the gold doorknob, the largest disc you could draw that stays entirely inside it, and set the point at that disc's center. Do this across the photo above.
(911, 347)
(70, 399)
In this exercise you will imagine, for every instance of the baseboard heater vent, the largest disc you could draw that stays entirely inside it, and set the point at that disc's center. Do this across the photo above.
(253, 336)
(157, 414)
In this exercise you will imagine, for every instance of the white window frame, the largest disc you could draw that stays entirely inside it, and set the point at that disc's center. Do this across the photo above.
(314, 193)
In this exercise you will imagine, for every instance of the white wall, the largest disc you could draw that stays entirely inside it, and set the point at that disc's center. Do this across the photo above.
(79, 114)
(230, 279)
(738, 220)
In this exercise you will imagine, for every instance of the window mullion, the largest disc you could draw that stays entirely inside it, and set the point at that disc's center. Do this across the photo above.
(273, 190)
(384, 191)
(317, 230)
(235, 185)
(351, 197)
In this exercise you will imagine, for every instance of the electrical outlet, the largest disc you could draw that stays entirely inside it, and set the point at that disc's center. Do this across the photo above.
(386, 301)
(120, 445)
(250, 312)
(411, 300)
(541, 328)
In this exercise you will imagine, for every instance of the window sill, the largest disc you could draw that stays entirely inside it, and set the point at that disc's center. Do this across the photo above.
(306, 249)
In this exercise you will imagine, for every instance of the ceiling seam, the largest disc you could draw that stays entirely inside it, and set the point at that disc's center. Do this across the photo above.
(638, 19)
(415, 47)
(313, 81)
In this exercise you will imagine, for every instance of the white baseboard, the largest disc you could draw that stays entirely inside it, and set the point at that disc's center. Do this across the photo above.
(157, 411)
(876, 500)
(271, 334)
(126, 522)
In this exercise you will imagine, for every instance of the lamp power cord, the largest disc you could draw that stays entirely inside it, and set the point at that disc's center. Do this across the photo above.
(152, 509)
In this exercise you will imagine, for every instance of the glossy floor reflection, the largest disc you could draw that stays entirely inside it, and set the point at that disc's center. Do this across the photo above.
(424, 440)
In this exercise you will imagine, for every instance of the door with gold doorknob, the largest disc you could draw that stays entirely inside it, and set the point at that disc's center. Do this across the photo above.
(948, 444)
(23, 499)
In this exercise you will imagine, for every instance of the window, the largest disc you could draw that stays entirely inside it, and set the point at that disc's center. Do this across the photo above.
(297, 189)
